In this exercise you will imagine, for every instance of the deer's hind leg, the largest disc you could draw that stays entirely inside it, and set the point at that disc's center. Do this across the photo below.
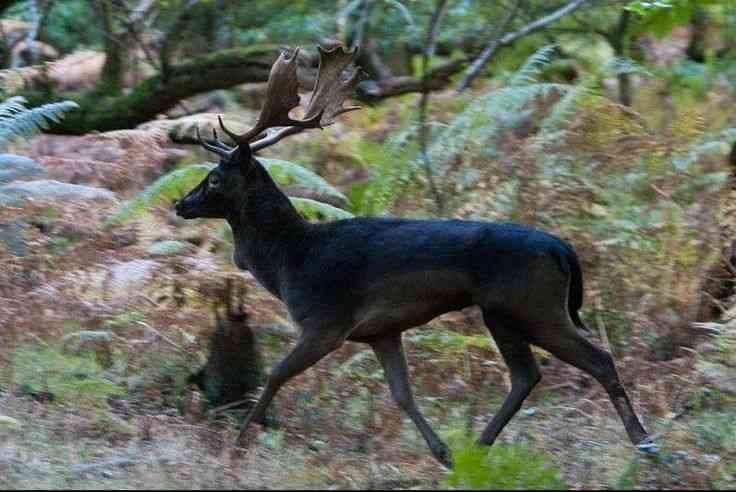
(390, 353)
(564, 341)
(524, 372)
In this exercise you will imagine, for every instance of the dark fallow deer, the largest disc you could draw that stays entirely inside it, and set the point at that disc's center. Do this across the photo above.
(369, 279)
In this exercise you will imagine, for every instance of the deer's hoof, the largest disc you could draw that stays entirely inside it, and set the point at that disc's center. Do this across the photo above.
(444, 456)
(648, 446)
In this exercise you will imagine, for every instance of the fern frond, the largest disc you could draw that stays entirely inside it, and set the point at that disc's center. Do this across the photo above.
(16, 121)
(288, 173)
(11, 106)
(163, 191)
(392, 165)
(314, 210)
(533, 66)
(485, 117)
(717, 144)
(174, 185)
(562, 112)
(622, 65)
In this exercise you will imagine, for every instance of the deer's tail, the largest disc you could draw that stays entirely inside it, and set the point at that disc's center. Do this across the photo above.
(575, 294)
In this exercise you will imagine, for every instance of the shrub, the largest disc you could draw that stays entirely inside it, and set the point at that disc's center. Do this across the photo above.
(502, 467)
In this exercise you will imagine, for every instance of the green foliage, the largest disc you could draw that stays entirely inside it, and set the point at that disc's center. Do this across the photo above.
(629, 477)
(17, 121)
(174, 185)
(392, 164)
(70, 378)
(289, 22)
(473, 133)
(477, 128)
(450, 342)
(315, 210)
(163, 191)
(287, 173)
(502, 467)
(67, 26)
(715, 432)
(661, 16)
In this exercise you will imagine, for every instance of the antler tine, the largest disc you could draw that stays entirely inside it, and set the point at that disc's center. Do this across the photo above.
(281, 98)
(233, 136)
(217, 146)
(269, 140)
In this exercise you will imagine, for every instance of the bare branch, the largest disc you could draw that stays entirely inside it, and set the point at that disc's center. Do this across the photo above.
(432, 32)
(488, 51)
(439, 77)
(429, 47)
(32, 34)
(362, 24)
(542, 22)
(134, 22)
(436, 79)
(174, 34)
(377, 64)
(509, 38)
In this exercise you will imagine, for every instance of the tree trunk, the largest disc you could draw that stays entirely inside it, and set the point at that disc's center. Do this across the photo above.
(719, 284)
(111, 81)
(619, 41)
(105, 111)
(698, 30)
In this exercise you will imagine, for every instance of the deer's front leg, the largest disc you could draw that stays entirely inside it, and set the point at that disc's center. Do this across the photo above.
(310, 349)
(390, 353)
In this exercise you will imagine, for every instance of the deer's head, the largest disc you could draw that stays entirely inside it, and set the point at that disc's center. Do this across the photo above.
(237, 175)
(221, 189)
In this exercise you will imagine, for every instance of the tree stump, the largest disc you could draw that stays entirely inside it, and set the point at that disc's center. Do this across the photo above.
(234, 366)
(719, 285)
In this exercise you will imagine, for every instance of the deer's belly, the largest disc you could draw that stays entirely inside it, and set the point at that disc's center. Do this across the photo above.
(405, 301)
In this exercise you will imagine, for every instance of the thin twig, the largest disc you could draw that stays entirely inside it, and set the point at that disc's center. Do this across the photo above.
(362, 24)
(228, 406)
(432, 31)
(162, 336)
(131, 21)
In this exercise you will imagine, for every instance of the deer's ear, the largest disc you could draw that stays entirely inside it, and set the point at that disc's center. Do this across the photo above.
(241, 156)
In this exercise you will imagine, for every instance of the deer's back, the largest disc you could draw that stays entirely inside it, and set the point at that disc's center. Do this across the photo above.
(402, 272)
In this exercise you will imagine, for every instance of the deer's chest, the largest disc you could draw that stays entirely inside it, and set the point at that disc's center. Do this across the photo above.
(266, 274)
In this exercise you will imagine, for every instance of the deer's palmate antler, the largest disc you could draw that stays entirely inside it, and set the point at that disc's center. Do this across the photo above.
(336, 80)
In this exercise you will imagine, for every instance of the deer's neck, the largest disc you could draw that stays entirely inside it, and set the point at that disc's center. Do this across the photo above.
(267, 230)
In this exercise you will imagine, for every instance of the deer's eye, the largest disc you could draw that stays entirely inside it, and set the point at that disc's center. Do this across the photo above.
(214, 181)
